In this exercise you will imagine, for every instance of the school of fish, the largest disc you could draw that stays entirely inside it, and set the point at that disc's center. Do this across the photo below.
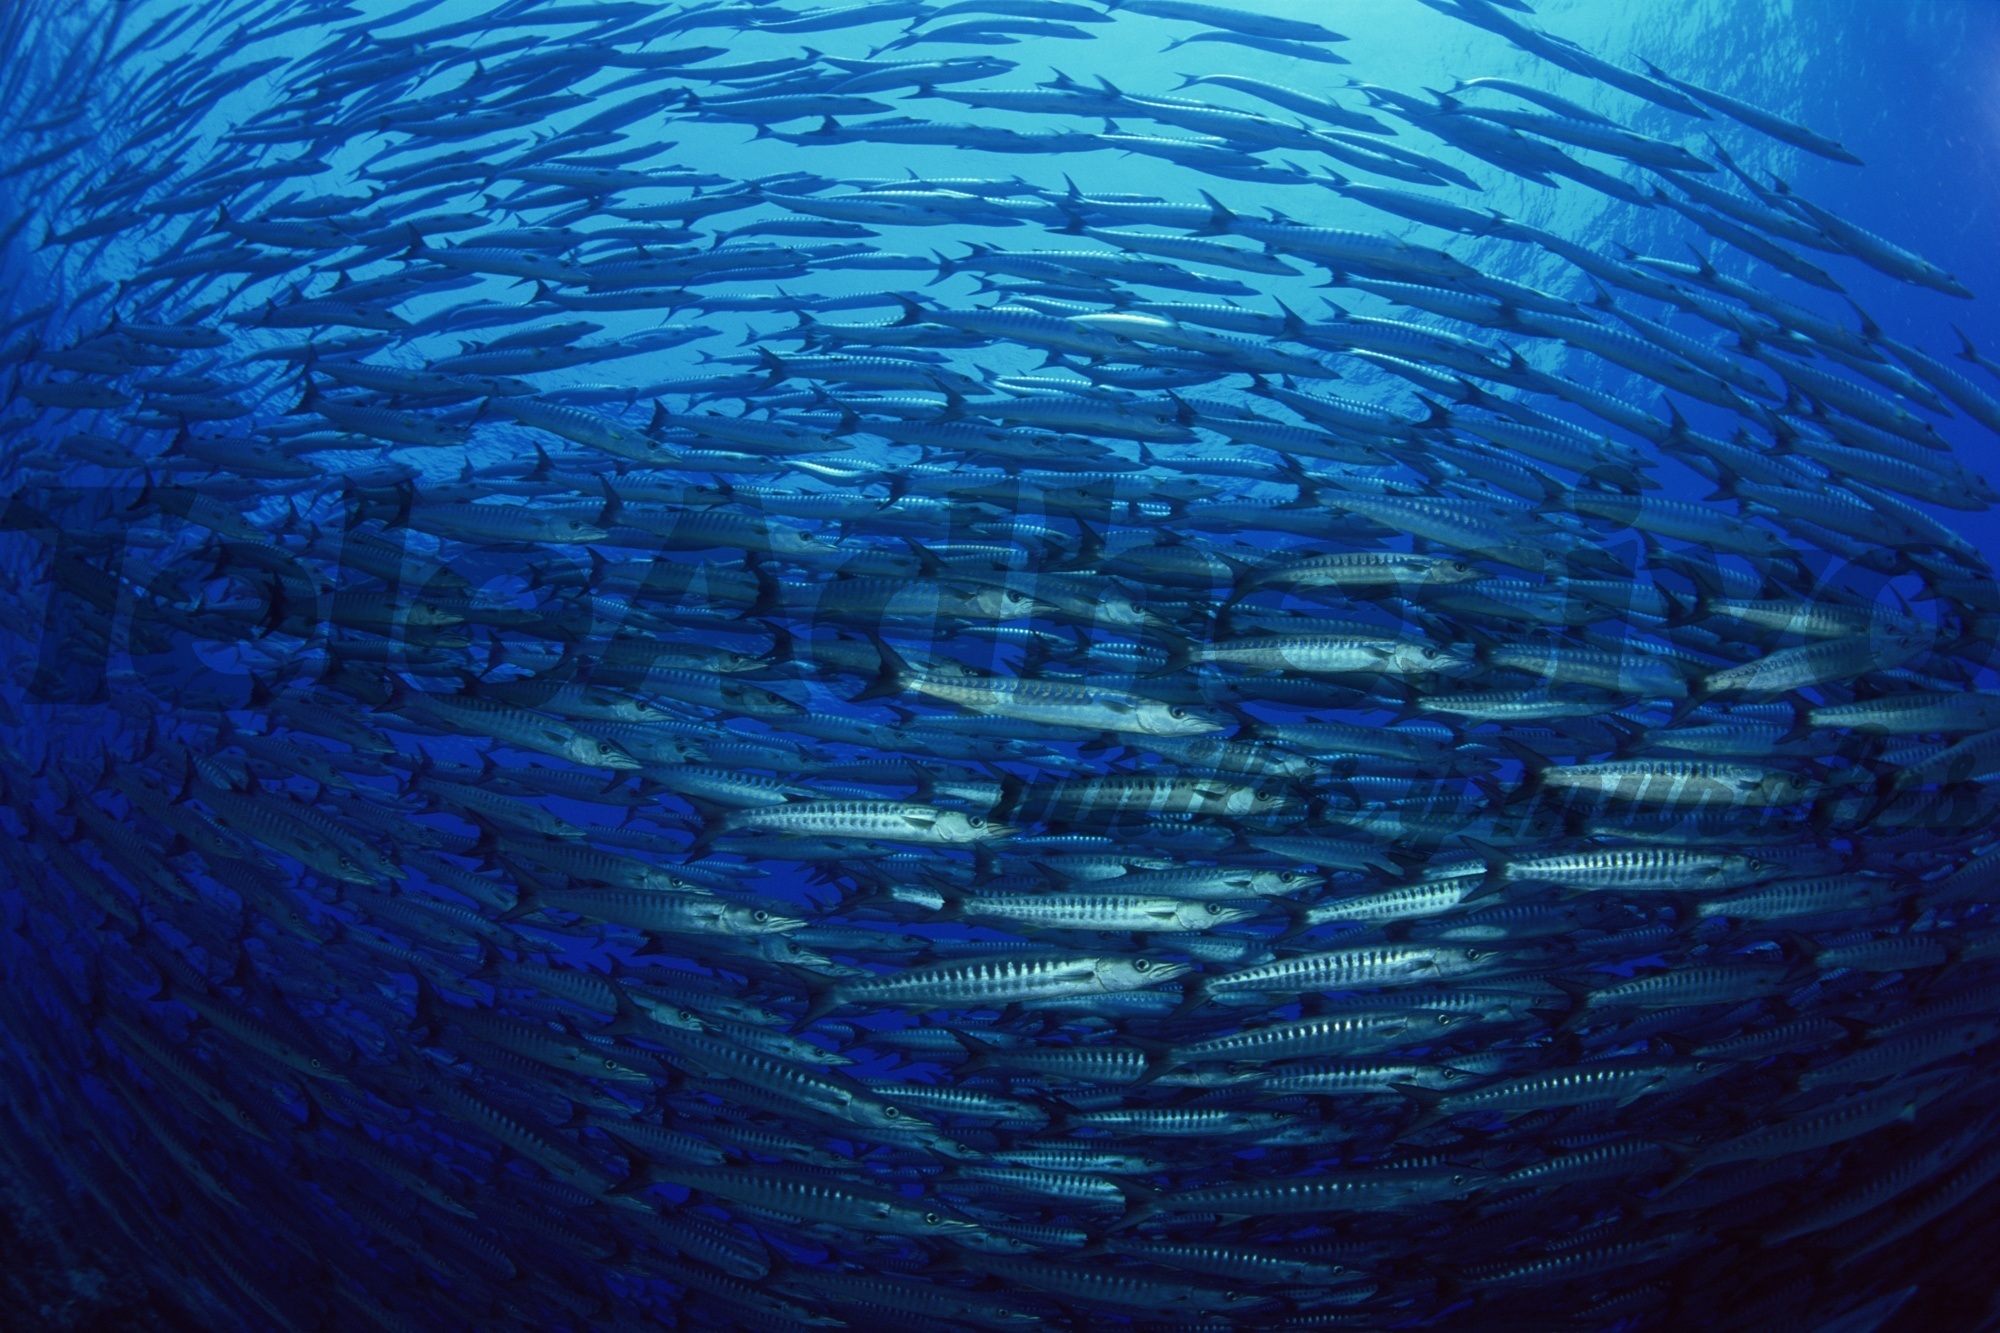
(609, 734)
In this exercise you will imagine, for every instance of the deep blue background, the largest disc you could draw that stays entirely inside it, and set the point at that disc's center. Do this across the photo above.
(1913, 88)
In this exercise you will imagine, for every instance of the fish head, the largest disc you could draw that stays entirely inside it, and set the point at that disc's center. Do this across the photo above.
(793, 541)
(1206, 916)
(941, 1144)
(669, 1015)
(932, 1221)
(1446, 572)
(1418, 658)
(957, 826)
(1121, 612)
(1732, 868)
(1162, 719)
(609, 1068)
(1004, 604)
(346, 868)
(749, 919)
(1259, 802)
(1466, 960)
(1454, 1182)
(1781, 788)
(1424, 1023)
(323, 1068)
(433, 615)
(777, 949)
(293, 921)
(1117, 974)
(592, 752)
(578, 530)
(1891, 646)
(992, 1242)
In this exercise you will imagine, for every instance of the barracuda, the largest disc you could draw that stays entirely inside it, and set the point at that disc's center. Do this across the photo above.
(1394, 852)
(983, 984)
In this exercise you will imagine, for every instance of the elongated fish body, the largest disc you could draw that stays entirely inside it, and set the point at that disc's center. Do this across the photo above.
(981, 984)
(1363, 967)
(1683, 782)
(1356, 1192)
(639, 694)
(1622, 1081)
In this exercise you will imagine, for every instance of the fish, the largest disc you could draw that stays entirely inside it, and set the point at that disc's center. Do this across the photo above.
(646, 689)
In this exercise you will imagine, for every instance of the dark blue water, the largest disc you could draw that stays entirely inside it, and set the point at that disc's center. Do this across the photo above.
(258, 1075)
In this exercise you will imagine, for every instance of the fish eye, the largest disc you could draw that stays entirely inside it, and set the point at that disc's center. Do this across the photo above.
(1214, 909)
(976, 823)
(316, 1064)
(1141, 965)
(932, 1219)
(890, 1113)
(609, 1063)
(760, 915)
(1177, 712)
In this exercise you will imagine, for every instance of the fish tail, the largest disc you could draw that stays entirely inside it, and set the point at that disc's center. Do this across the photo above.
(891, 675)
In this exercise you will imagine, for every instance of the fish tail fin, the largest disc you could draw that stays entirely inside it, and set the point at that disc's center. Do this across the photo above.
(1191, 1002)
(1180, 655)
(784, 644)
(642, 1172)
(1685, 611)
(1966, 351)
(489, 963)
(1533, 766)
(1298, 920)
(1159, 1059)
(1565, 1020)
(1869, 328)
(1412, 701)
(526, 902)
(1802, 725)
(607, 516)
(980, 1054)
(1220, 218)
(1140, 1204)
(1494, 859)
(1631, 735)
(889, 678)
(769, 598)
(629, 1017)
(1428, 1110)
(822, 997)
(429, 1008)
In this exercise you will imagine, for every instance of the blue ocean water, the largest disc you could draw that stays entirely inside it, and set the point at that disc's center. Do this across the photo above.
(335, 1083)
